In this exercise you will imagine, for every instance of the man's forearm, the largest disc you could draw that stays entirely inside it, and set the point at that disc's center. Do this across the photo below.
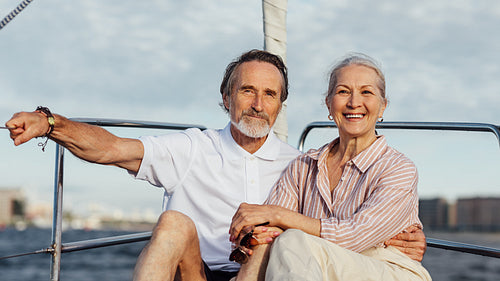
(97, 145)
(88, 142)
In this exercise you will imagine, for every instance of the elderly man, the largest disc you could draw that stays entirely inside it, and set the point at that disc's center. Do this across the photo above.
(205, 174)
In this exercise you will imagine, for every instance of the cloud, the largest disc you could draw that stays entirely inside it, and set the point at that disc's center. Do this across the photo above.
(164, 60)
(437, 57)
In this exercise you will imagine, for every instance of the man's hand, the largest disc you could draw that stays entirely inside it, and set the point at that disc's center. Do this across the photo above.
(249, 215)
(27, 125)
(410, 242)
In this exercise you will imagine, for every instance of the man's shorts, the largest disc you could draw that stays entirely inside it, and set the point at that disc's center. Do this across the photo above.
(217, 275)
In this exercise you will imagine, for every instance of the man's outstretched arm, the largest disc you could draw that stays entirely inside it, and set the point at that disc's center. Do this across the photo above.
(88, 142)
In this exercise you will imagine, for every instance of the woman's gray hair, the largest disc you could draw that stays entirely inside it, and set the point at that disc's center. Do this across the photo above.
(355, 59)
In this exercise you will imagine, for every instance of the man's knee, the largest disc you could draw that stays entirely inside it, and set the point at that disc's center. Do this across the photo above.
(171, 222)
(288, 242)
(290, 237)
(291, 258)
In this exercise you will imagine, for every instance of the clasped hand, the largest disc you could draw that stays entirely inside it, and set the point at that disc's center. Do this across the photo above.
(256, 220)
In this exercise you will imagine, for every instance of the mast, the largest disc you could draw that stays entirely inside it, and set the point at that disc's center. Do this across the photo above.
(274, 17)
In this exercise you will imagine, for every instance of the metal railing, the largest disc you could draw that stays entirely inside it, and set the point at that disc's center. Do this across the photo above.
(57, 248)
(440, 126)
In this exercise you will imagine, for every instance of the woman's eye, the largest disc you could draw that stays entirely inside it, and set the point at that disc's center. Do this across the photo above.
(367, 92)
(342, 92)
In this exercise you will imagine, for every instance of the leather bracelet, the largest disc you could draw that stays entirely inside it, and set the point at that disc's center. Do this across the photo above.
(50, 118)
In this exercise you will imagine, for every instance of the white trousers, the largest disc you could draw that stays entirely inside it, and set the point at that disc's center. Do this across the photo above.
(297, 256)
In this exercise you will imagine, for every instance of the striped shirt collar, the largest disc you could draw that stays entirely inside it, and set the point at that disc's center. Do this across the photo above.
(362, 161)
(234, 151)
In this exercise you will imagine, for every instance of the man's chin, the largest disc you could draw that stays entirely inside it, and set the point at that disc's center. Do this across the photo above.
(253, 130)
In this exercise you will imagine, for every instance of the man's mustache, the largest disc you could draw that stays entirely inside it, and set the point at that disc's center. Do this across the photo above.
(252, 112)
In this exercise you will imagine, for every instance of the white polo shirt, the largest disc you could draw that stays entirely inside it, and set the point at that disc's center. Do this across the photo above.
(207, 175)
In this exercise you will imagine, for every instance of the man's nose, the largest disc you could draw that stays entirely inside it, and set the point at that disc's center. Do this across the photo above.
(257, 102)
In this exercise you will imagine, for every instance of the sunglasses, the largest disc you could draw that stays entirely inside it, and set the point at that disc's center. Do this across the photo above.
(239, 255)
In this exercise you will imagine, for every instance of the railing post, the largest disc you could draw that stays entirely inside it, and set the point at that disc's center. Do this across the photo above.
(57, 215)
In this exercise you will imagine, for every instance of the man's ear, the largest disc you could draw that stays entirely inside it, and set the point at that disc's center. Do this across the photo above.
(226, 101)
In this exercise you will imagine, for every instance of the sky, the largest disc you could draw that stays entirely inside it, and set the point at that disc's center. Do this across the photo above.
(163, 61)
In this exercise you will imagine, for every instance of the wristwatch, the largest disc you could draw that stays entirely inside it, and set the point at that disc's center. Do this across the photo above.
(50, 118)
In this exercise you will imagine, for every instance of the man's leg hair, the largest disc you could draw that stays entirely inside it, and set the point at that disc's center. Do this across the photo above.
(255, 268)
(172, 252)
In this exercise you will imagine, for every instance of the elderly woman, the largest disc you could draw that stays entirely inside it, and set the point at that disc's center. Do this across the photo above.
(340, 203)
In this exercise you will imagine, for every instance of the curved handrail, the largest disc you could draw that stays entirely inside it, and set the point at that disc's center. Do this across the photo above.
(105, 122)
(462, 247)
(144, 236)
(57, 247)
(105, 241)
(443, 126)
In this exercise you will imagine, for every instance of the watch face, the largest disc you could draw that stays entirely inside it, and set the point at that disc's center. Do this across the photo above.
(51, 120)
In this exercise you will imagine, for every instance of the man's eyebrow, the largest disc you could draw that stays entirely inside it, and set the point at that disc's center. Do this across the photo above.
(268, 90)
(247, 87)
(251, 87)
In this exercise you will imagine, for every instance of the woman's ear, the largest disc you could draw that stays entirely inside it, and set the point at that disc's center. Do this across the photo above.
(327, 102)
(382, 109)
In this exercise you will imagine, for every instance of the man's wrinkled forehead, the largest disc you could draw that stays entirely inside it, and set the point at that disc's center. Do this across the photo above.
(243, 69)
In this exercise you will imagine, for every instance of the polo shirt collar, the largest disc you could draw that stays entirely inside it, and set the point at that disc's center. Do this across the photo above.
(233, 150)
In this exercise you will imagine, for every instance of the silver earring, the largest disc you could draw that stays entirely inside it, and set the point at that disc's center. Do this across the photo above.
(330, 117)
(381, 119)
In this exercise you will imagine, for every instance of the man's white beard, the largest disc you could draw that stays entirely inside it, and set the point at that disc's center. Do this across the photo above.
(252, 128)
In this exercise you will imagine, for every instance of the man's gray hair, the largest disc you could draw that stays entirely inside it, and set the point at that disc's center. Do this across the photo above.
(253, 55)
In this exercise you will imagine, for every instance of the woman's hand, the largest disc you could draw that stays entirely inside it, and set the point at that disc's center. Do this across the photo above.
(410, 242)
(265, 235)
(261, 235)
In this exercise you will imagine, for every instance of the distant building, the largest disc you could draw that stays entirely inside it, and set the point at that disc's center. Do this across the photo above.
(12, 206)
(434, 213)
(478, 214)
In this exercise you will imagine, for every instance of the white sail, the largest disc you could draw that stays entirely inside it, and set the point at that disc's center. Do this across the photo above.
(274, 13)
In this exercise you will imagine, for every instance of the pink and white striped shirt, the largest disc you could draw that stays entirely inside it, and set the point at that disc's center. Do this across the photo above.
(375, 199)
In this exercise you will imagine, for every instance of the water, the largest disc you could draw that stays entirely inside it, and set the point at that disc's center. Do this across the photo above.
(450, 265)
(117, 262)
(111, 263)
